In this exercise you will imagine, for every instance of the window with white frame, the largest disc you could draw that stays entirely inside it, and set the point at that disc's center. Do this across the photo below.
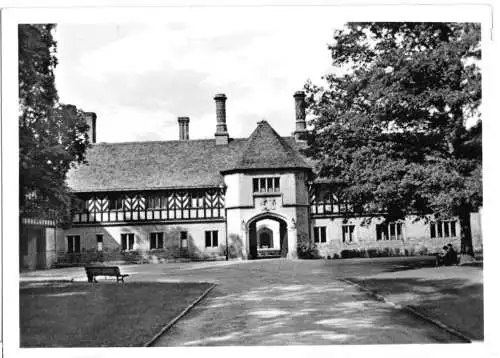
(73, 243)
(320, 234)
(443, 228)
(127, 242)
(211, 238)
(266, 185)
(347, 233)
(389, 231)
(155, 240)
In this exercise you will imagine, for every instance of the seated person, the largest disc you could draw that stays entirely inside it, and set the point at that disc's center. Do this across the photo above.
(441, 257)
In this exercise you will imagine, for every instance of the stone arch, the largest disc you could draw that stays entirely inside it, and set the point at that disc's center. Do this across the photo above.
(251, 228)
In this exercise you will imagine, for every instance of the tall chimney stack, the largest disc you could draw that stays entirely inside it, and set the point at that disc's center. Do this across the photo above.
(91, 119)
(221, 134)
(183, 128)
(300, 116)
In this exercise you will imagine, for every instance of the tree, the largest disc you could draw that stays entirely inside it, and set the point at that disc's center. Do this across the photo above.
(52, 136)
(397, 127)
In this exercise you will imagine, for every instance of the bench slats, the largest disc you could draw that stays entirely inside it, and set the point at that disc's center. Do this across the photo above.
(94, 271)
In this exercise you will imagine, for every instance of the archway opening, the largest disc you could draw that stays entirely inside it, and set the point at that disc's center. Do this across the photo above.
(268, 237)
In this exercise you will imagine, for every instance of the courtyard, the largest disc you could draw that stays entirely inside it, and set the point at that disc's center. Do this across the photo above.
(283, 302)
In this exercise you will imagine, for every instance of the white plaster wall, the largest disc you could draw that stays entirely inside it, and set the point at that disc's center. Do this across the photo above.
(416, 235)
(112, 236)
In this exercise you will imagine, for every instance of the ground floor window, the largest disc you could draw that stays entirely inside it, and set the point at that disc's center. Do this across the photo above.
(99, 238)
(184, 239)
(156, 240)
(320, 234)
(347, 233)
(73, 243)
(390, 231)
(211, 238)
(127, 242)
(443, 228)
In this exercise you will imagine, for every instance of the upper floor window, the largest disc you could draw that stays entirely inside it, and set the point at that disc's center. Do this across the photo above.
(390, 231)
(347, 233)
(154, 202)
(320, 234)
(443, 228)
(116, 203)
(266, 185)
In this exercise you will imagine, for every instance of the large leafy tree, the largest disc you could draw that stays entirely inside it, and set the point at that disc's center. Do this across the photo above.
(396, 126)
(52, 136)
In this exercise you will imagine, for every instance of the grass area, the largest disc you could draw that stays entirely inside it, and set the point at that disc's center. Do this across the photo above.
(451, 295)
(100, 315)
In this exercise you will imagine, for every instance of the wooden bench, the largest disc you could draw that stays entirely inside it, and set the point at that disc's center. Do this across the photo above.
(94, 271)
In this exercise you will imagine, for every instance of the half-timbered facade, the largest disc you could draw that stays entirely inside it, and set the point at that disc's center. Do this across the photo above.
(223, 198)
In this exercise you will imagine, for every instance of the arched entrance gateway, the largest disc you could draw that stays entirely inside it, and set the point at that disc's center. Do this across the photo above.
(267, 236)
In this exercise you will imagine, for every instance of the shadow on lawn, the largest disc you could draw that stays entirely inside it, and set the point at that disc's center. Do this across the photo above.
(455, 302)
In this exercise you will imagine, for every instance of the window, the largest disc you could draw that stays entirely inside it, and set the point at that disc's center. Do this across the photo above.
(184, 239)
(99, 238)
(266, 185)
(127, 242)
(73, 243)
(116, 203)
(156, 240)
(211, 238)
(390, 231)
(443, 228)
(154, 202)
(320, 234)
(347, 233)
(83, 205)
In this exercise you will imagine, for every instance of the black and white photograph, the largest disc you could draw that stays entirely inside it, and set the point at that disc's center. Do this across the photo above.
(246, 176)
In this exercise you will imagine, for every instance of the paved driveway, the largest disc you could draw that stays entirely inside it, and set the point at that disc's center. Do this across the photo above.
(281, 302)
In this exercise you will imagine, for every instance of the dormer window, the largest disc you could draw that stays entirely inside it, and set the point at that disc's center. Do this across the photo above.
(266, 185)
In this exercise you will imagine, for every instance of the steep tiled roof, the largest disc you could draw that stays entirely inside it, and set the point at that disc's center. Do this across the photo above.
(180, 164)
(266, 149)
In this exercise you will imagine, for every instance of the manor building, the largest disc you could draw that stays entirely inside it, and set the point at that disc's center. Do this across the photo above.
(218, 198)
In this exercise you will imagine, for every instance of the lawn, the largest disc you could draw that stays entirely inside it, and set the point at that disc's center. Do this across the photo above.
(451, 295)
(100, 315)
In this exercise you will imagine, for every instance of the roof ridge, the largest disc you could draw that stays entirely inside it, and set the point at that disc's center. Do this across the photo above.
(164, 141)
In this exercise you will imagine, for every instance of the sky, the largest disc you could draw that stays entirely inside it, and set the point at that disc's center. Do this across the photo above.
(139, 77)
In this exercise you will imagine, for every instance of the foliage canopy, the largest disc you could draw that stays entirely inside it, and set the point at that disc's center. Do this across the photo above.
(52, 136)
(397, 126)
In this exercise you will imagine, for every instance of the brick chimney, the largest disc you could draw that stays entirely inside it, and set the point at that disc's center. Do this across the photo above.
(91, 118)
(183, 128)
(300, 116)
(221, 135)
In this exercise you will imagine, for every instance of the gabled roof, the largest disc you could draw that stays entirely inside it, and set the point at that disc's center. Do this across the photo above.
(266, 149)
(181, 163)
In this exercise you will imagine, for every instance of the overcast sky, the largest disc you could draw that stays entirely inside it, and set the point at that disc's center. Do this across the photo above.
(140, 77)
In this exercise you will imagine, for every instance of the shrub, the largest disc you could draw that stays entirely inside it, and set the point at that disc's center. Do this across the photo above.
(307, 250)
(372, 252)
(349, 254)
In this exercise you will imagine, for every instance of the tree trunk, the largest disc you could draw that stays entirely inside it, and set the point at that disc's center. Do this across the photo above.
(466, 248)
